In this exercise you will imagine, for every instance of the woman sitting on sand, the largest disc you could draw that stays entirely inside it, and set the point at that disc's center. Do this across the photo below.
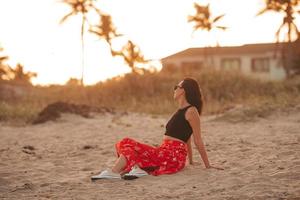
(136, 159)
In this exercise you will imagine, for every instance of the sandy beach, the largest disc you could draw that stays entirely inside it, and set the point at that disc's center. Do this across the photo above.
(55, 160)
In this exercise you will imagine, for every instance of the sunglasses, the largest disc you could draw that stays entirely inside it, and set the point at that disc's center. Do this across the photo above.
(177, 86)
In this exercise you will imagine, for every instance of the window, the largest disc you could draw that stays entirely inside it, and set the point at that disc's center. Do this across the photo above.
(231, 64)
(260, 65)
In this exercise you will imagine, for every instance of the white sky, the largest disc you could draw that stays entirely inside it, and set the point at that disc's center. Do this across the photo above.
(30, 33)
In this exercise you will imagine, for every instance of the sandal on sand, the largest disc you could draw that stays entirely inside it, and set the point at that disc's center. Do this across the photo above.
(135, 173)
(106, 174)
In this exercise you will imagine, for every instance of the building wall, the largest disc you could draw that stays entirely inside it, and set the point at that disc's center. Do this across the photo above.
(267, 66)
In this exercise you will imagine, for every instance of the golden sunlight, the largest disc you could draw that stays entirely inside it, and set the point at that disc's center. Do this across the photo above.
(31, 34)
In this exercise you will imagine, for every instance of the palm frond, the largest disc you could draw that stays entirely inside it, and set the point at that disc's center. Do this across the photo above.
(131, 54)
(105, 28)
(218, 18)
(119, 35)
(222, 27)
(116, 53)
(207, 11)
(202, 19)
(192, 18)
(98, 10)
(65, 1)
(95, 32)
(66, 17)
(3, 58)
(262, 11)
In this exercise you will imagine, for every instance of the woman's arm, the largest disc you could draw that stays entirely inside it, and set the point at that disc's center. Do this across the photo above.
(190, 152)
(193, 118)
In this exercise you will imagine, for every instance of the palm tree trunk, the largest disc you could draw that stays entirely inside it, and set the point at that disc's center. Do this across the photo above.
(82, 49)
(289, 33)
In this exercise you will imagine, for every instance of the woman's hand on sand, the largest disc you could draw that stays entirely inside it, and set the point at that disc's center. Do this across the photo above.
(214, 167)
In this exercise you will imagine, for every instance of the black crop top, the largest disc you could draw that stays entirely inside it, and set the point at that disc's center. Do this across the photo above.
(178, 127)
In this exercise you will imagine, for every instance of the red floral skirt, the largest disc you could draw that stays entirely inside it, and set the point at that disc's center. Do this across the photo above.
(168, 158)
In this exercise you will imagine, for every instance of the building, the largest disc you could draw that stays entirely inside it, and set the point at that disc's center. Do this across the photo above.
(263, 61)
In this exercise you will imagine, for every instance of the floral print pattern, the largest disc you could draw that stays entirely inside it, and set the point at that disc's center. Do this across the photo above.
(168, 158)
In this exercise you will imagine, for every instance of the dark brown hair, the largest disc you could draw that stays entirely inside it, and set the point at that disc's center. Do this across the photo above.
(193, 93)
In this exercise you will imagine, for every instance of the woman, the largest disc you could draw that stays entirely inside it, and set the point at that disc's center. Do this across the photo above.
(140, 159)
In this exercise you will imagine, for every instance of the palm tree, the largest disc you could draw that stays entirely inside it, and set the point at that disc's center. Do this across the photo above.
(105, 30)
(288, 7)
(81, 7)
(132, 55)
(73, 82)
(17, 74)
(21, 76)
(203, 19)
(2, 58)
(4, 69)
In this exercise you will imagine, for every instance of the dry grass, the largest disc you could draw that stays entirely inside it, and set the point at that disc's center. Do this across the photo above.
(18, 113)
(152, 93)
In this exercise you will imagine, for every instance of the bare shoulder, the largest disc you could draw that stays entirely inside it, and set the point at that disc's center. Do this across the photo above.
(192, 113)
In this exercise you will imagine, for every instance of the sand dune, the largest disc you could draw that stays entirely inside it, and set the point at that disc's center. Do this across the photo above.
(55, 160)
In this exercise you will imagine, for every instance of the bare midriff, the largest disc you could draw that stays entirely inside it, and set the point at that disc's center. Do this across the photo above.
(172, 138)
